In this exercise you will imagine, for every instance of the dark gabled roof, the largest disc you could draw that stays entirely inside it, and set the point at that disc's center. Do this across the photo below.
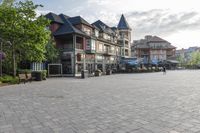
(100, 24)
(67, 28)
(96, 27)
(63, 17)
(123, 24)
(78, 20)
(103, 27)
(54, 18)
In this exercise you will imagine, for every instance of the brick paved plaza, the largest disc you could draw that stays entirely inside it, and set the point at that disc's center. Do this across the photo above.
(122, 103)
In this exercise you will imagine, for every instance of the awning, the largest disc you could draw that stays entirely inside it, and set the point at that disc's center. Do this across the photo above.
(173, 61)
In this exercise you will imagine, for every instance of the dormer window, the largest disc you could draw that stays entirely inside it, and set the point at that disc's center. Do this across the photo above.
(96, 32)
(86, 30)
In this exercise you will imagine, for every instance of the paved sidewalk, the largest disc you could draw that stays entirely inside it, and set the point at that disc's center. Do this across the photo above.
(122, 103)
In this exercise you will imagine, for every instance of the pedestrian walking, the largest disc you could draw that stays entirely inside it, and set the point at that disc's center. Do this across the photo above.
(164, 70)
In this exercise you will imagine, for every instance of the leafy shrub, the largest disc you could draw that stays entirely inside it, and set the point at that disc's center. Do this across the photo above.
(24, 71)
(9, 79)
(44, 74)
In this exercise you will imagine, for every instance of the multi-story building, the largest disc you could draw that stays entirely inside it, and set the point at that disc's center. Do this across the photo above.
(86, 46)
(186, 54)
(152, 49)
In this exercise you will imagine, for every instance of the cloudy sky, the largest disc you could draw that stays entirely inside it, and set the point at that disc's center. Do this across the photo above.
(177, 21)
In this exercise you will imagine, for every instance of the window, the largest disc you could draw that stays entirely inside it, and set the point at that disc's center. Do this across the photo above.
(93, 47)
(88, 44)
(112, 49)
(99, 58)
(105, 36)
(86, 30)
(100, 47)
(96, 33)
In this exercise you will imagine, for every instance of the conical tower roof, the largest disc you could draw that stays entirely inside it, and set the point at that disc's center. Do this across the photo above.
(123, 24)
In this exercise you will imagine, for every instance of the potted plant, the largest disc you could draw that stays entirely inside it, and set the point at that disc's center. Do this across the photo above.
(97, 72)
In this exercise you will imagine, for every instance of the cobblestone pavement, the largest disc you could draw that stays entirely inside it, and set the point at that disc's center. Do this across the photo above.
(122, 103)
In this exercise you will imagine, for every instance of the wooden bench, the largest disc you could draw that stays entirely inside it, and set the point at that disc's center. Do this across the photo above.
(25, 78)
(22, 77)
(29, 77)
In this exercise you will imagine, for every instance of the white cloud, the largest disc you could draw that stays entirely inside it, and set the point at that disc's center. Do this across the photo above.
(42, 12)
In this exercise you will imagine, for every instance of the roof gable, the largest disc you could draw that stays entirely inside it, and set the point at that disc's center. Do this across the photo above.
(100, 24)
(103, 27)
(67, 28)
(123, 24)
(63, 17)
(78, 20)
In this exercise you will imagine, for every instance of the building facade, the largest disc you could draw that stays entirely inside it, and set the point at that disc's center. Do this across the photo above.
(85, 46)
(152, 49)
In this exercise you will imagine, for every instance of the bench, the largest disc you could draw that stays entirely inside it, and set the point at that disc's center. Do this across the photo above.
(29, 77)
(25, 78)
(22, 77)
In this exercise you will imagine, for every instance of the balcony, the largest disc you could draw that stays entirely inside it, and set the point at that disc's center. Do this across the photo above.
(65, 47)
(170, 53)
(109, 52)
(123, 37)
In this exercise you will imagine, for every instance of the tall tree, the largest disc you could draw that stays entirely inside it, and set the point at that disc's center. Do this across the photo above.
(52, 52)
(26, 33)
(8, 3)
(195, 58)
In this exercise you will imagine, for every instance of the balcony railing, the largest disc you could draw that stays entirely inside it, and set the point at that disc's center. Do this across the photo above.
(109, 52)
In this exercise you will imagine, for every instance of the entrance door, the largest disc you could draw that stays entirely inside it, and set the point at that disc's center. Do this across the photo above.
(67, 63)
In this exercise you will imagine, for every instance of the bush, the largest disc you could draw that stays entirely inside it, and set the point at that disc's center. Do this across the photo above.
(9, 79)
(44, 74)
(24, 71)
(98, 72)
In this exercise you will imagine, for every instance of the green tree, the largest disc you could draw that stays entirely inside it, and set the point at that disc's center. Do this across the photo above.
(181, 60)
(8, 3)
(52, 52)
(26, 33)
(195, 58)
